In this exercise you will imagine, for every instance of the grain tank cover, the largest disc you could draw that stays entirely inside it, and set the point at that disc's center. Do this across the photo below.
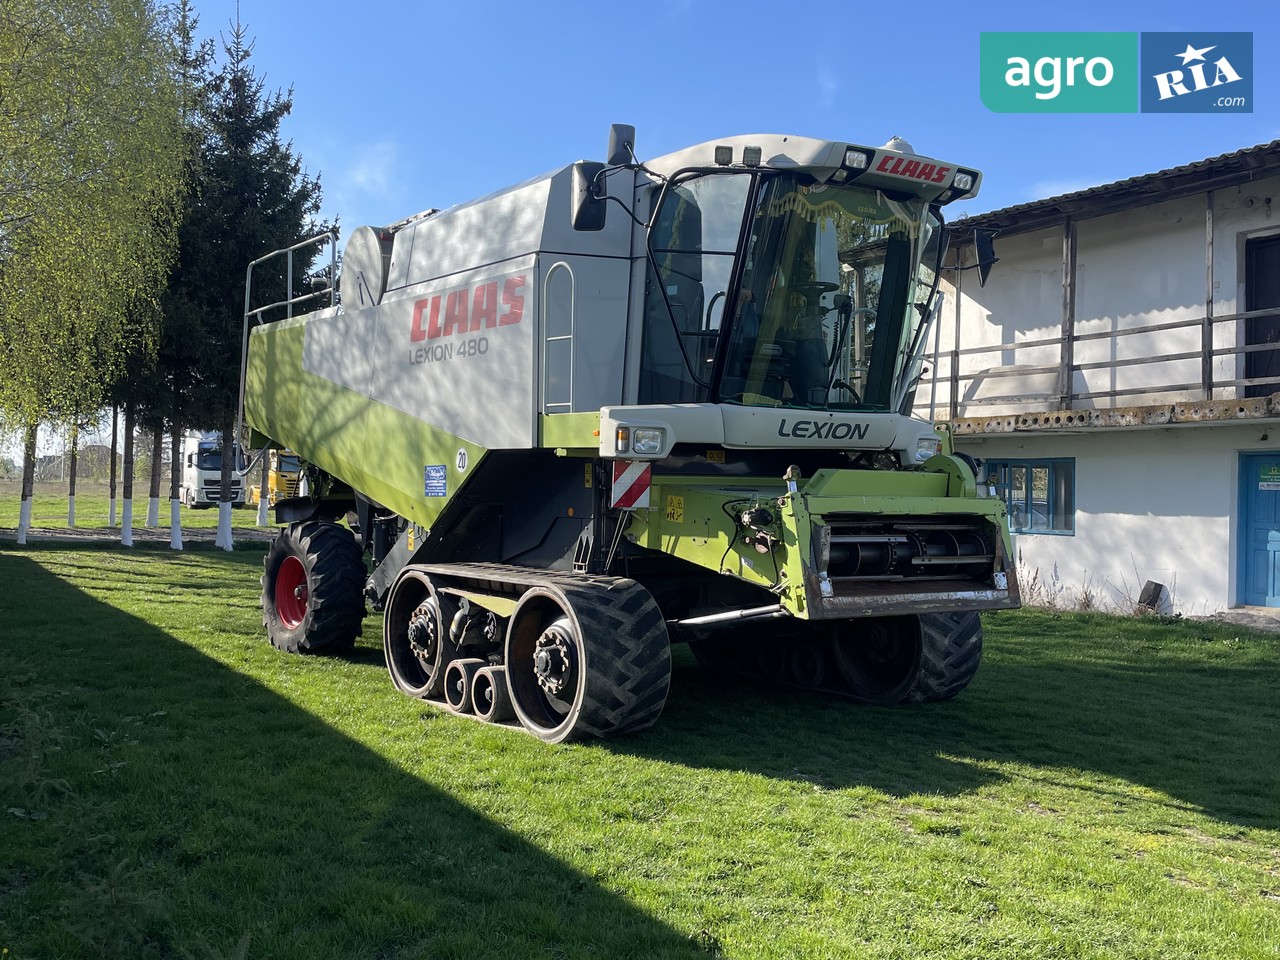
(365, 264)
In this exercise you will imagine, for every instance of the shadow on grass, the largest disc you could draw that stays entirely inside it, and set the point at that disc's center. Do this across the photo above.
(1150, 703)
(240, 814)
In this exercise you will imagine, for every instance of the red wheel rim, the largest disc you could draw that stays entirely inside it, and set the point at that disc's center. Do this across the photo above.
(291, 591)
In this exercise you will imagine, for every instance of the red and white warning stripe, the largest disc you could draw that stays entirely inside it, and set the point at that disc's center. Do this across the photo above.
(631, 479)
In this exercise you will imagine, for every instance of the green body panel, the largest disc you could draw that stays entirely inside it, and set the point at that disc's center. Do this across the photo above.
(416, 469)
(370, 446)
(693, 518)
(579, 432)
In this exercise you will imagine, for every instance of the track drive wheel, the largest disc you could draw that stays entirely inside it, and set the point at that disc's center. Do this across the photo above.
(908, 659)
(415, 634)
(313, 589)
(589, 660)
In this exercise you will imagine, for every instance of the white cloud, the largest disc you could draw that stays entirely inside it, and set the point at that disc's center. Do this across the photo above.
(372, 168)
(363, 184)
(828, 87)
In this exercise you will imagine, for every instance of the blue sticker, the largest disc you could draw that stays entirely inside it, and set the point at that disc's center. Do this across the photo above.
(1197, 73)
(435, 480)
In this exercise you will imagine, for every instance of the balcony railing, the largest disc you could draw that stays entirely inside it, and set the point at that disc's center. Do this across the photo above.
(950, 382)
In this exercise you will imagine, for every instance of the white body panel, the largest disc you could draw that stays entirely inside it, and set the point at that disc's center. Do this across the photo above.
(763, 428)
(495, 311)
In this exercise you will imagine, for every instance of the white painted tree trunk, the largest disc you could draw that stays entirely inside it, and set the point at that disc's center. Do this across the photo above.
(175, 524)
(24, 520)
(153, 512)
(126, 523)
(71, 512)
(224, 526)
(262, 511)
(111, 513)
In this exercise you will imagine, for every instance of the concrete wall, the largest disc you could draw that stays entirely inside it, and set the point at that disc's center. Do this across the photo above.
(1150, 505)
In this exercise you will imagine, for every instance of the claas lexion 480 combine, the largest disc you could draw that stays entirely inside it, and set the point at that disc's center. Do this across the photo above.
(625, 405)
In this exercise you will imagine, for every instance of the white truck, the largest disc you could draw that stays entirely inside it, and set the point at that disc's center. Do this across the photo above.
(202, 470)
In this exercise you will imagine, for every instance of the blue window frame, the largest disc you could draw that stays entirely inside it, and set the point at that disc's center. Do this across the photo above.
(1040, 494)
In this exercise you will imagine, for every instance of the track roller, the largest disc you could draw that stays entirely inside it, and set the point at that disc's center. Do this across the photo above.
(490, 697)
(459, 676)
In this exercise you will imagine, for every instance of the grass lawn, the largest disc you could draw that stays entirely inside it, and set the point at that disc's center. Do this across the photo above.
(173, 787)
(93, 503)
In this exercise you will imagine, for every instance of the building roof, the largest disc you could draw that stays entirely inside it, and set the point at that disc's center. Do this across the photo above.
(1227, 170)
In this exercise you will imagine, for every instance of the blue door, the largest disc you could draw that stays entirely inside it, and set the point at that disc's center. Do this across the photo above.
(1260, 529)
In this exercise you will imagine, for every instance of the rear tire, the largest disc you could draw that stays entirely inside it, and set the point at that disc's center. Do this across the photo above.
(313, 589)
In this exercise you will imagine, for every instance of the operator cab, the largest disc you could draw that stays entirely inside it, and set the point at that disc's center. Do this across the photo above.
(800, 285)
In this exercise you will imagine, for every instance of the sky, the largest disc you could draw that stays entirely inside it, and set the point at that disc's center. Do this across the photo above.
(402, 106)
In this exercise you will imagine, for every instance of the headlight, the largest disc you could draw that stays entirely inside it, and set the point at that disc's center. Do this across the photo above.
(963, 181)
(927, 447)
(648, 440)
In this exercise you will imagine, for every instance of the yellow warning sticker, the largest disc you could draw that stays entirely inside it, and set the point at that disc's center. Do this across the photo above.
(715, 456)
(587, 477)
(675, 509)
(411, 530)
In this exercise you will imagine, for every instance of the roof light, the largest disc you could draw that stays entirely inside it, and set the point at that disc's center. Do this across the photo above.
(963, 181)
(751, 156)
(856, 159)
(724, 155)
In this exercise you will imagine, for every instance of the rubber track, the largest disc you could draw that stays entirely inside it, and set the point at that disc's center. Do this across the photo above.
(336, 606)
(951, 649)
(628, 658)
(624, 634)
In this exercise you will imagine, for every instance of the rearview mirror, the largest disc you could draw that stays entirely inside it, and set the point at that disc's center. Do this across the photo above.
(984, 247)
(622, 141)
(588, 211)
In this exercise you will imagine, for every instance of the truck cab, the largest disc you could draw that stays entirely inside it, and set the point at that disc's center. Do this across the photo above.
(202, 471)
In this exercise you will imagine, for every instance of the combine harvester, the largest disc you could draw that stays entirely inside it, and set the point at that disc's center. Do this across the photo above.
(629, 404)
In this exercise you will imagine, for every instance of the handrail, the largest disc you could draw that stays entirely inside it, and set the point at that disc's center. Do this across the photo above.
(330, 237)
(1207, 352)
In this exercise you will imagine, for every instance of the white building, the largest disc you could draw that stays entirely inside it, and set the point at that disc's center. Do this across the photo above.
(1117, 377)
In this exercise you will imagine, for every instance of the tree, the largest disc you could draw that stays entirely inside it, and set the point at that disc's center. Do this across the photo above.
(250, 196)
(182, 349)
(89, 175)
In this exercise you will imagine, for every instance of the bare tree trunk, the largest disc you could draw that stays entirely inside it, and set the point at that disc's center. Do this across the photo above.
(115, 423)
(225, 496)
(153, 494)
(126, 513)
(175, 488)
(263, 497)
(71, 476)
(28, 482)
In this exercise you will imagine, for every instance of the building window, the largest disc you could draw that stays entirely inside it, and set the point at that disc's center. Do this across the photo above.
(1040, 494)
